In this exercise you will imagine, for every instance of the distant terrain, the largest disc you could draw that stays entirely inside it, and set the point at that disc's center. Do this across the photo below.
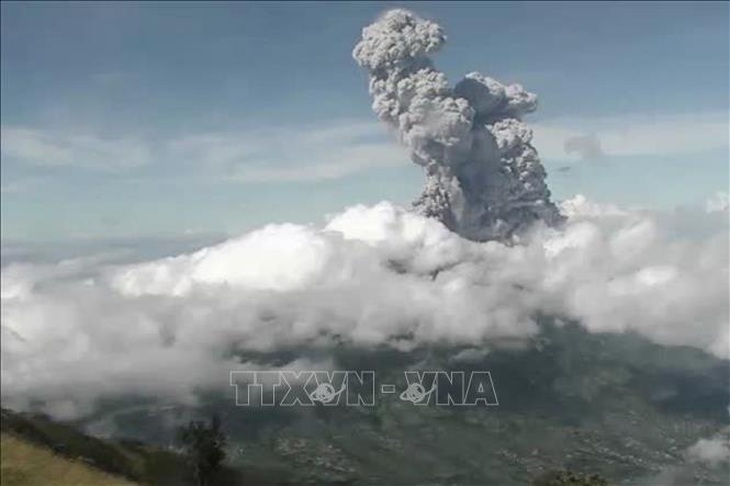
(617, 405)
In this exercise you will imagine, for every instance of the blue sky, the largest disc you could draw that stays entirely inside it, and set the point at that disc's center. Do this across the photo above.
(148, 120)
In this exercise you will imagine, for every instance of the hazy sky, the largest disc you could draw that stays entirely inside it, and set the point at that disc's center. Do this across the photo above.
(143, 119)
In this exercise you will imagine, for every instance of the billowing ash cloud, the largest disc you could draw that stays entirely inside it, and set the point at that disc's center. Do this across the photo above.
(484, 178)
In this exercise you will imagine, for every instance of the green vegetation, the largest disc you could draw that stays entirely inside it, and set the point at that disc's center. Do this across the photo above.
(33, 444)
(66, 441)
(27, 464)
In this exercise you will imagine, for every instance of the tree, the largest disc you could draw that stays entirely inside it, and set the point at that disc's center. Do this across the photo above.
(205, 445)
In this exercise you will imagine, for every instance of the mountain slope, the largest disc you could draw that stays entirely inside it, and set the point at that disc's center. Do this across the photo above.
(27, 464)
(612, 404)
(36, 444)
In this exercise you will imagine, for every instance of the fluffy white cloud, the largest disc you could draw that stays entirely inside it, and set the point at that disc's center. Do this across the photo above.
(78, 331)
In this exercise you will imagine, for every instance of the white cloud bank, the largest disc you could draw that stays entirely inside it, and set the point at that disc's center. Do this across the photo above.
(73, 333)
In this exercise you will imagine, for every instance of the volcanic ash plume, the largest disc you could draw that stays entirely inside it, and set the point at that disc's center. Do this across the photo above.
(485, 180)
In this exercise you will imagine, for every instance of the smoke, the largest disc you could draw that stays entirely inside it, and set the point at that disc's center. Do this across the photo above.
(484, 178)
(712, 451)
(707, 453)
(77, 332)
(587, 147)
